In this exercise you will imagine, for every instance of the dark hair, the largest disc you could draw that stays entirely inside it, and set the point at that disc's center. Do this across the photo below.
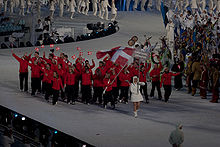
(37, 53)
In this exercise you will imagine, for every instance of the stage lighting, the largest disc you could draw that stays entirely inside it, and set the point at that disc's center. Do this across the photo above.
(110, 24)
(23, 118)
(55, 132)
(16, 115)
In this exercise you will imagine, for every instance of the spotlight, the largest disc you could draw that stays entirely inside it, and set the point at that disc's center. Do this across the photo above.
(23, 118)
(55, 132)
(16, 115)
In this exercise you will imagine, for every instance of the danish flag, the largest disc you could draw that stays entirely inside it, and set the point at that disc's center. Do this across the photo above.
(57, 48)
(51, 45)
(78, 48)
(119, 55)
(42, 46)
(36, 49)
(74, 57)
(80, 53)
(89, 53)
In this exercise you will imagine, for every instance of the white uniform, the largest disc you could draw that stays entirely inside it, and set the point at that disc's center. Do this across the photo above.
(61, 5)
(218, 6)
(22, 6)
(194, 4)
(170, 31)
(72, 8)
(179, 5)
(128, 4)
(86, 7)
(52, 8)
(12, 3)
(94, 7)
(105, 6)
(113, 11)
(203, 2)
(135, 92)
(143, 2)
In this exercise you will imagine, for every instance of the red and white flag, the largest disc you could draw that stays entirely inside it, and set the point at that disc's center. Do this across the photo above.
(78, 48)
(119, 55)
(51, 45)
(80, 54)
(57, 48)
(36, 49)
(74, 57)
(89, 53)
(42, 46)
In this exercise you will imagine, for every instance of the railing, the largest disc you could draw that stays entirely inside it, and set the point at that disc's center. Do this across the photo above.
(18, 136)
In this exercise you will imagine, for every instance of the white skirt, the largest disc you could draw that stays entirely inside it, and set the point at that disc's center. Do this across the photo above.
(136, 97)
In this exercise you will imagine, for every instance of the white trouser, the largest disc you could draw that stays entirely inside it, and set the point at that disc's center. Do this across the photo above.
(94, 7)
(61, 10)
(143, 2)
(105, 12)
(128, 4)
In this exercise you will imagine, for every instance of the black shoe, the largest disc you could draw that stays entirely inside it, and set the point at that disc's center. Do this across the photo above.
(147, 101)
(113, 107)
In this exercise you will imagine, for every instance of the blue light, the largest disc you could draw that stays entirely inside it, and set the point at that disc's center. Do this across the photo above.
(16, 115)
(97, 32)
(105, 29)
(55, 132)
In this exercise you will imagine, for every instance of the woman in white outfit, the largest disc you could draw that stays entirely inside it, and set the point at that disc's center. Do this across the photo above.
(105, 6)
(136, 96)
(194, 5)
(12, 3)
(86, 7)
(113, 11)
(52, 8)
(61, 5)
(94, 7)
(22, 6)
(72, 7)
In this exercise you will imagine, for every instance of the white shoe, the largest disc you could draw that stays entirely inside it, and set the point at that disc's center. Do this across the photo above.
(135, 114)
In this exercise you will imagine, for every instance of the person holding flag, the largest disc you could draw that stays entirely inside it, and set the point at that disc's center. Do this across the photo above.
(143, 78)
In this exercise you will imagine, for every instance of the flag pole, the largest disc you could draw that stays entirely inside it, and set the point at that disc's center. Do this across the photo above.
(115, 77)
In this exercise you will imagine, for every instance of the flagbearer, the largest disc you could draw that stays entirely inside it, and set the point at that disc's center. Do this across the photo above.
(143, 78)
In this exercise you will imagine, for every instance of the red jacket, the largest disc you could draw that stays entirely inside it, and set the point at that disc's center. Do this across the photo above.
(57, 84)
(124, 79)
(61, 73)
(87, 78)
(35, 70)
(70, 79)
(155, 73)
(167, 77)
(133, 71)
(23, 63)
(47, 75)
(114, 84)
(143, 74)
(107, 83)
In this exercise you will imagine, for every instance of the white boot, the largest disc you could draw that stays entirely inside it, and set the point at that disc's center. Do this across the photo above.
(135, 114)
